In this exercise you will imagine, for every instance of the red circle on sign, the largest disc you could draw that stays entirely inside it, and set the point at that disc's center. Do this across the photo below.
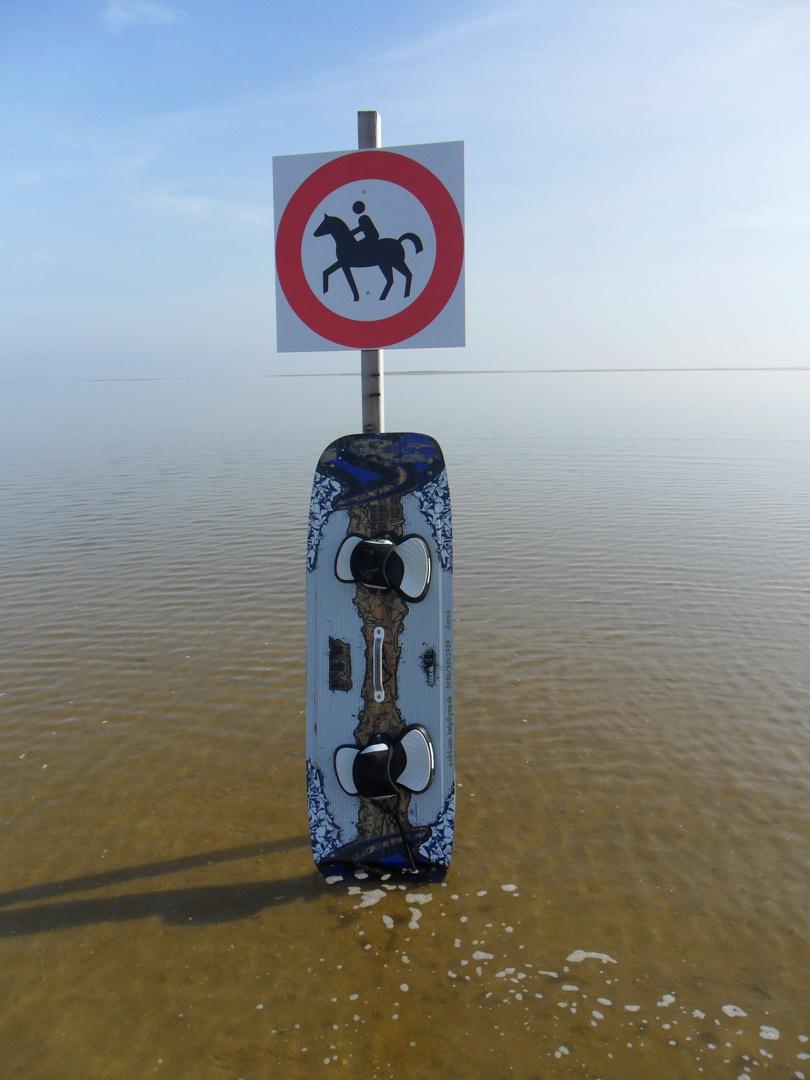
(446, 221)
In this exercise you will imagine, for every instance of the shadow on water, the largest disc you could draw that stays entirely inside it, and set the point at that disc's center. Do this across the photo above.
(197, 905)
(154, 869)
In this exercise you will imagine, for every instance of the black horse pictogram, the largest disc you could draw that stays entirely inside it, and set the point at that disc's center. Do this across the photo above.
(372, 250)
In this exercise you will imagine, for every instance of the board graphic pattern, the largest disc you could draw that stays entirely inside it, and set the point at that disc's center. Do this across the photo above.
(378, 662)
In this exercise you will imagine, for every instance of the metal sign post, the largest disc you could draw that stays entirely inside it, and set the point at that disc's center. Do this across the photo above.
(371, 360)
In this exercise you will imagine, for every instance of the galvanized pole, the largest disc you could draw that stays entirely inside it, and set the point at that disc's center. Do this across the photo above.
(371, 360)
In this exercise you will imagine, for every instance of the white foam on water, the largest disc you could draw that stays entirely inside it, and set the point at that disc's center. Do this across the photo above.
(419, 897)
(734, 1010)
(570, 986)
(551, 974)
(478, 955)
(333, 879)
(667, 999)
(372, 897)
(509, 888)
(416, 915)
(483, 892)
(632, 1008)
(404, 987)
(768, 1032)
(578, 955)
(389, 922)
(561, 1051)
(604, 1001)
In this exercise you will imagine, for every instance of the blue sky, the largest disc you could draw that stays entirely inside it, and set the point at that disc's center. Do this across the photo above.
(638, 175)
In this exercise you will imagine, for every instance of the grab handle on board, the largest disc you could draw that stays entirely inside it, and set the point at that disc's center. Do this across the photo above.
(379, 637)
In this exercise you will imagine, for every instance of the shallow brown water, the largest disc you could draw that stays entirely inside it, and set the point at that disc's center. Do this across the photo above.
(633, 728)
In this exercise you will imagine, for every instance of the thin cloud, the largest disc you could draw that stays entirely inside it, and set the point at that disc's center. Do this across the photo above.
(190, 205)
(123, 14)
(769, 217)
(26, 177)
(201, 206)
(260, 216)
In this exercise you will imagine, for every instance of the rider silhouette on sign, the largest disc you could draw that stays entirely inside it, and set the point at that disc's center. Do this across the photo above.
(365, 225)
(373, 250)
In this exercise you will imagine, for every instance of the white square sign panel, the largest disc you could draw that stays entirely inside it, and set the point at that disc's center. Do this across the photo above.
(370, 248)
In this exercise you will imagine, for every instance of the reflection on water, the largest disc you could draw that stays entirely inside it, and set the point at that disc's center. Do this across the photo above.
(631, 879)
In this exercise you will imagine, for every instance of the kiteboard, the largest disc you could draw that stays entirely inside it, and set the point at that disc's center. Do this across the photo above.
(380, 740)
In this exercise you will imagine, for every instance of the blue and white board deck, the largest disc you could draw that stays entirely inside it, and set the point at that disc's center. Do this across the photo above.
(380, 742)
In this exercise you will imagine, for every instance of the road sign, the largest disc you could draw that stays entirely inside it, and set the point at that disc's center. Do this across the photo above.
(370, 248)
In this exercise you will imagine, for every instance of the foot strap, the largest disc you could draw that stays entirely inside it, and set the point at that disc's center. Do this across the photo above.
(383, 768)
(384, 564)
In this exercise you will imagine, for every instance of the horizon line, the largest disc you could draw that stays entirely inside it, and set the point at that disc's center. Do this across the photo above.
(395, 373)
